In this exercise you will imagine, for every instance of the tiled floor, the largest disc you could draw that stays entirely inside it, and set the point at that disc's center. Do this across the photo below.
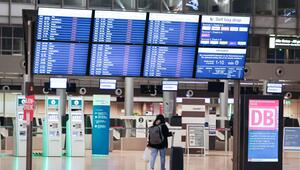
(129, 160)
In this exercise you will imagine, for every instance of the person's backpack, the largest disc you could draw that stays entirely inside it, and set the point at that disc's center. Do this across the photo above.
(155, 135)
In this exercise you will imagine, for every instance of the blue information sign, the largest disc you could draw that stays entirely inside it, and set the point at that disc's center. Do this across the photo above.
(291, 138)
(116, 60)
(119, 27)
(169, 61)
(220, 63)
(101, 124)
(172, 29)
(224, 31)
(60, 58)
(63, 24)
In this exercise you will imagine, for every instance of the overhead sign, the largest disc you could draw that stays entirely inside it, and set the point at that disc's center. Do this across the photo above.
(218, 63)
(224, 31)
(284, 42)
(263, 130)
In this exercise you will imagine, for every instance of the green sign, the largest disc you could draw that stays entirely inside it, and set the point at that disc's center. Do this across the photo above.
(53, 103)
(76, 104)
(21, 102)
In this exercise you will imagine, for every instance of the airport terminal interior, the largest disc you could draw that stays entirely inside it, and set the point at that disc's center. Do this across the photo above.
(82, 83)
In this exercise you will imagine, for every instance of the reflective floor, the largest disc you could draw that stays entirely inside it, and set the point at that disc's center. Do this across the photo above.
(128, 160)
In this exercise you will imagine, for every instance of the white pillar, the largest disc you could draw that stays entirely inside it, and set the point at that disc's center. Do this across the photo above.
(224, 102)
(129, 95)
(63, 100)
(169, 101)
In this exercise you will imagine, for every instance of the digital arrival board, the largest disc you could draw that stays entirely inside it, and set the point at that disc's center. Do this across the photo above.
(172, 29)
(60, 58)
(119, 27)
(169, 61)
(224, 31)
(220, 63)
(116, 60)
(63, 24)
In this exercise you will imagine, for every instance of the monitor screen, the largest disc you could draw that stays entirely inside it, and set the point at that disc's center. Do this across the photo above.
(220, 63)
(116, 60)
(108, 84)
(58, 83)
(169, 85)
(172, 29)
(224, 31)
(60, 58)
(274, 88)
(62, 41)
(169, 61)
(119, 27)
(263, 130)
(63, 24)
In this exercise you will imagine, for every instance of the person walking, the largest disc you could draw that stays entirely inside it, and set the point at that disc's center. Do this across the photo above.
(158, 141)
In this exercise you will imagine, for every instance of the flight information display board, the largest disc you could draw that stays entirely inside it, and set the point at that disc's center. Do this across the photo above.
(116, 60)
(224, 31)
(60, 58)
(172, 29)
(119, 27)
(220, 63)
(63, 24)
(169, 61)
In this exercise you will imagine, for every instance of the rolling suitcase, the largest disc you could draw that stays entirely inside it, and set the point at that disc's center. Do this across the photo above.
(176, 157)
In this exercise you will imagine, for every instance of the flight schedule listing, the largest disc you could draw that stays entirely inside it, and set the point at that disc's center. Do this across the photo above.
(224, 31)
(60, 58)
(220, 63)
(116, 60)
(172, 29)
(167, 61)
(119, 27)
(63, 24)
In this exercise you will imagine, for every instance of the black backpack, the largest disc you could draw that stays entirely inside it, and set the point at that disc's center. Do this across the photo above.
(155, 135)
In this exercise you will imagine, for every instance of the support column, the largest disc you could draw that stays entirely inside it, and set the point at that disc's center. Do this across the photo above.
(224, 103)
(129, 95)
(265, 87)
(63, 100)
(237, 157)
(169, 101)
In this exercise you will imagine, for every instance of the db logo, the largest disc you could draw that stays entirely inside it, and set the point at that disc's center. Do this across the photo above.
(262, 119)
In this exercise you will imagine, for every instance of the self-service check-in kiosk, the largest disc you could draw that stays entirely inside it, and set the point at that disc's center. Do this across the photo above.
(20, 130)
(75, 128)
(52, 138)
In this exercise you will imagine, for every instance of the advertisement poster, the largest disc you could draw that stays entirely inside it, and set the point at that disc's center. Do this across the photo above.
(101, 124)
(263, 130)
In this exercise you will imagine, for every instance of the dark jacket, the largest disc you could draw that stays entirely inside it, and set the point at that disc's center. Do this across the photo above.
(165, 133)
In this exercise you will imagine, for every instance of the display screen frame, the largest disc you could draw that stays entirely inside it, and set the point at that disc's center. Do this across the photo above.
(228, 17)
(34, 40)
(207, 77)
(250, 165)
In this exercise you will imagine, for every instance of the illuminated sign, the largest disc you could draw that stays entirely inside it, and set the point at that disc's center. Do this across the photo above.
(284, 42)
(263, 130)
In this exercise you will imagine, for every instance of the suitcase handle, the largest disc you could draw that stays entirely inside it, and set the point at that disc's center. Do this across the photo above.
(172, 140)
